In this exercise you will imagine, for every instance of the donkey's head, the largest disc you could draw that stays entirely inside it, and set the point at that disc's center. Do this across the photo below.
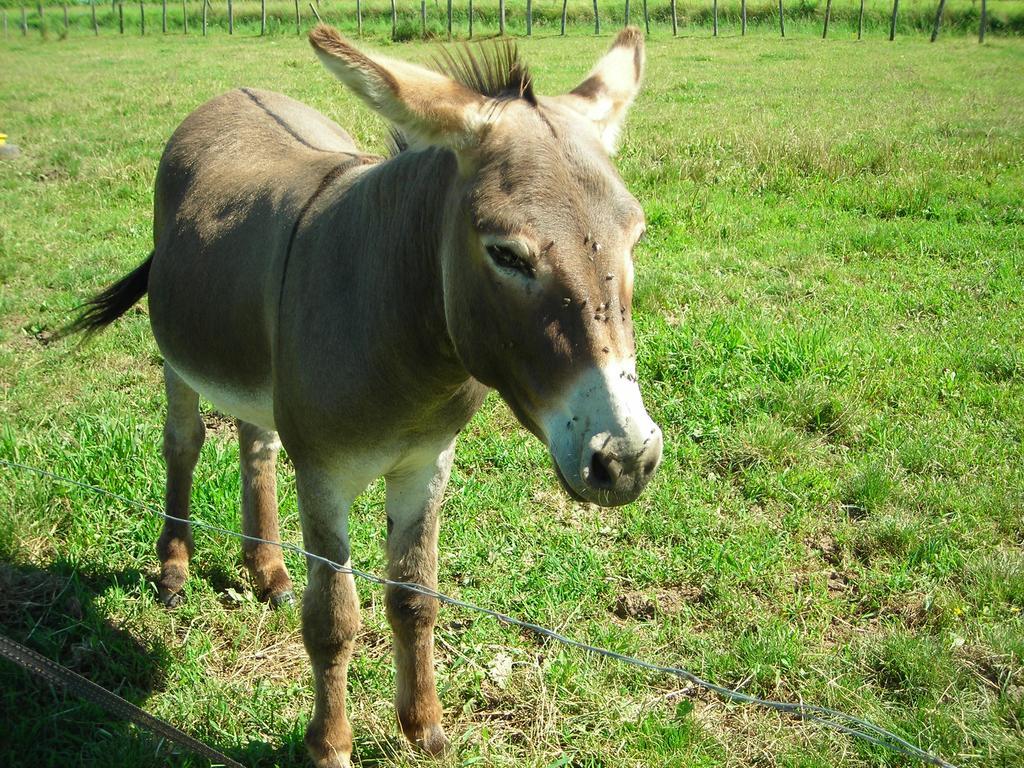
(538, 238)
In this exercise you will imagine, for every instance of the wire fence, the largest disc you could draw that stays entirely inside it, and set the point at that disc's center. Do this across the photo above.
(412, 19)
(825, 716)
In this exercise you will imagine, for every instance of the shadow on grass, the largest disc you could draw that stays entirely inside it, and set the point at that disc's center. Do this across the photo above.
(52, 611)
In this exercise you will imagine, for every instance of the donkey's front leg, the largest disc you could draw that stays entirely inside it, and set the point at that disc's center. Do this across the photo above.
(413, 505)
(330, 614)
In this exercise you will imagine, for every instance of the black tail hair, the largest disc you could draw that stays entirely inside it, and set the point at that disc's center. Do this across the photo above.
(109, 304)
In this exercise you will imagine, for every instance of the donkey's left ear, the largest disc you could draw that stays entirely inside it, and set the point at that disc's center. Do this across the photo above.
(608, 91)
(429, 108)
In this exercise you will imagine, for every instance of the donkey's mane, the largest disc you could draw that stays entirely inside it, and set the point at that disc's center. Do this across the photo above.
(493, 70)
(396, 141)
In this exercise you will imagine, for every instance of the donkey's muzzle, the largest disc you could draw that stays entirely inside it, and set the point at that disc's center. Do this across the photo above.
(604, 445)
(613, 474)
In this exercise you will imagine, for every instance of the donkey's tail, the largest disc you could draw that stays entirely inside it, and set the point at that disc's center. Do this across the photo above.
(109, 304)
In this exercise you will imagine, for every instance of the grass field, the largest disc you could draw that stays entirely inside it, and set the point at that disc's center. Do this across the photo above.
(803, 17)
(830, 319)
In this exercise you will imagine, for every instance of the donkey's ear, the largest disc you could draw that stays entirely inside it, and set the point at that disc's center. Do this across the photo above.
(429, 108)
(608, 91)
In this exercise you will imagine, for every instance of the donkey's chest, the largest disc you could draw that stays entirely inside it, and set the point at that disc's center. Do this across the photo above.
(337, 416)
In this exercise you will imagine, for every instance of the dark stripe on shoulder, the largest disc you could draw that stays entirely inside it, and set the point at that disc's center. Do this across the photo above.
(329, 178)
(281, 122)
(547, 122)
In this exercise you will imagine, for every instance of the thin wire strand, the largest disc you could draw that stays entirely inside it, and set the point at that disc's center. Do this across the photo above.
(832, 718)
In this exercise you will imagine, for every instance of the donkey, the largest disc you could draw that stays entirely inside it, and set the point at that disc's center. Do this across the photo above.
(361, 308)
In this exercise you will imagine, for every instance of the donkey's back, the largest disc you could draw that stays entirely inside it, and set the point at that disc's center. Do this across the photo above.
(232, 183)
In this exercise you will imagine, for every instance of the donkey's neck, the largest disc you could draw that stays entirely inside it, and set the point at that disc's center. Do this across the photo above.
(363, 315)
(402, 205)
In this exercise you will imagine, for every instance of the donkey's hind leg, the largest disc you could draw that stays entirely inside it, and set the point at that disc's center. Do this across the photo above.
(258, 451)
(183, 439)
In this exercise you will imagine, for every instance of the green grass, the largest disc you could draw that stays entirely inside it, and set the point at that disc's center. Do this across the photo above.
(829, 309)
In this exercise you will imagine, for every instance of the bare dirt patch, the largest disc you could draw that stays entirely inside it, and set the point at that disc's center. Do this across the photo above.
(641, 606)
(220, 426)
(827, 547)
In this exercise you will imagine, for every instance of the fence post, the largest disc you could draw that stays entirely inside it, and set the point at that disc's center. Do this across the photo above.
(359, 17)
(892, 23)
(860, 20)
(714, 18)
(501, 17)
(184, 15)
(65, 18)
(24, 21)
(938, 20)
(120, 17)
(39, 7)
(743, 18)
(394, 19)
(206, 4)
(163, 17)
(529, 18)
(263, 17)
(647, 19)
(674, 27)
(231, 16)
(782, 20)
(470, 20)
(142, 18)
(95, 26)
(564, 4)
(982, 22)
(627, 13)
(828, 13)
(597, 20)
(449, 9)
(423, 19)
(298, 31)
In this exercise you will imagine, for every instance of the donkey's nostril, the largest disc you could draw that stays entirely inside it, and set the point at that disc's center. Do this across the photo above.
(600, 473)
(650, 466)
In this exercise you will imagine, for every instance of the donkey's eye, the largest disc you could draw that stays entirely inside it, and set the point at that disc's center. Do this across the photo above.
(506, 257)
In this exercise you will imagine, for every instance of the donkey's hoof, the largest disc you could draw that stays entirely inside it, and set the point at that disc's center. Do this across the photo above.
(334, 761)
(170, 599)
(433, 740)
(329, 753)
(170, 584)
(282, 599)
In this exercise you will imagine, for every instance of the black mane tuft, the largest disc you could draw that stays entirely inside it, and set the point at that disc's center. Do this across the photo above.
(494, 70)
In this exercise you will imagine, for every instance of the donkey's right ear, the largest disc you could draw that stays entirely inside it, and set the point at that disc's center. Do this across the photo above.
(428, 107)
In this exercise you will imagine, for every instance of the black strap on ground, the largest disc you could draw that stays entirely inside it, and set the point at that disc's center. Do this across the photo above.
(54, 673)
